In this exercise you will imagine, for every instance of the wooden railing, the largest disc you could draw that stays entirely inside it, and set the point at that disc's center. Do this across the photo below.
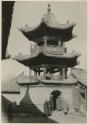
(48, 49)
(41, 77)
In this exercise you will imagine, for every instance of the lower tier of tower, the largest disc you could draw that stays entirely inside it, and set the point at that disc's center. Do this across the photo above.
(62, 98)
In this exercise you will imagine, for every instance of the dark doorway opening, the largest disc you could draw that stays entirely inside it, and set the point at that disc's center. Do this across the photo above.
(53, 98)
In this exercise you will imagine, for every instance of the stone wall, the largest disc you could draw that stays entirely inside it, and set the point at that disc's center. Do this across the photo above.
(40, 94)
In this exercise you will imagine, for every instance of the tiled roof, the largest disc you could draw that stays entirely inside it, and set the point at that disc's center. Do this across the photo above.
(48, 26)
(50, 21)
(23, 79)
(10, 86)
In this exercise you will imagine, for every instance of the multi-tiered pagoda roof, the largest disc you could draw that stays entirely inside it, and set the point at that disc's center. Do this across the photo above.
(49, 54)
(51, 28)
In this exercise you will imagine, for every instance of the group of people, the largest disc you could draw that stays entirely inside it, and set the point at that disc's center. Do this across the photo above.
(61, 105)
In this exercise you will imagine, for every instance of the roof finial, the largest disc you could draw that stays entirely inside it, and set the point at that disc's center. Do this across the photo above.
(49, 8)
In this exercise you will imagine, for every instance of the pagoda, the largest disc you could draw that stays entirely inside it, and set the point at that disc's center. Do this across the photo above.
(49, 61)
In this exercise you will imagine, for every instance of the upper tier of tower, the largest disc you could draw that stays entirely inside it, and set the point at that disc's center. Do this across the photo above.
(49, 49)
(50, 28)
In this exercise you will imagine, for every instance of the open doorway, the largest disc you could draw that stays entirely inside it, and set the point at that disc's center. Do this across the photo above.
(53, 98)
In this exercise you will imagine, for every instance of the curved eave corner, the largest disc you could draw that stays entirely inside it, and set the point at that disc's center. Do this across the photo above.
(25, 58)
(65, 29)
(28, 29)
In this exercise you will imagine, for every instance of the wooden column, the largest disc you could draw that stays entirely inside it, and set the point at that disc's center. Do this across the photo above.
(29, 73)
(63, 44)
(45, 41)
(44, 70)
(60, 75)
(51, 74)
(65, 50)
(38, 71)
(35, 74)
(66, 73)
(59, 43)
(63, 73)
(35, 45)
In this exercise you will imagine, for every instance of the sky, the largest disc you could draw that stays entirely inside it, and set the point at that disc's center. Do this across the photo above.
(30, 13)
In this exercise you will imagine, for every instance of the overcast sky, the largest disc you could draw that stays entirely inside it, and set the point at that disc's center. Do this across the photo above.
(30, 13)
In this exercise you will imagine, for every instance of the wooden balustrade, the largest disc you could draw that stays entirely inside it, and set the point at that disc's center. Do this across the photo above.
(48, 49)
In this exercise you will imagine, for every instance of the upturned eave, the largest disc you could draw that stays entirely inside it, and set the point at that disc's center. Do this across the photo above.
(65, 60)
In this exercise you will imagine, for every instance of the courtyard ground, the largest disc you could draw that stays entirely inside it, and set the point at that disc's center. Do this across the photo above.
(56, 117)
(72, 117)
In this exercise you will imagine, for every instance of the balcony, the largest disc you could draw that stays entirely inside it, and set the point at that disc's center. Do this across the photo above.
(55, 50)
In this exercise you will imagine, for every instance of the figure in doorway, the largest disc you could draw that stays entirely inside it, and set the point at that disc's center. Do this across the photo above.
(62, 104)
(47, 108)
